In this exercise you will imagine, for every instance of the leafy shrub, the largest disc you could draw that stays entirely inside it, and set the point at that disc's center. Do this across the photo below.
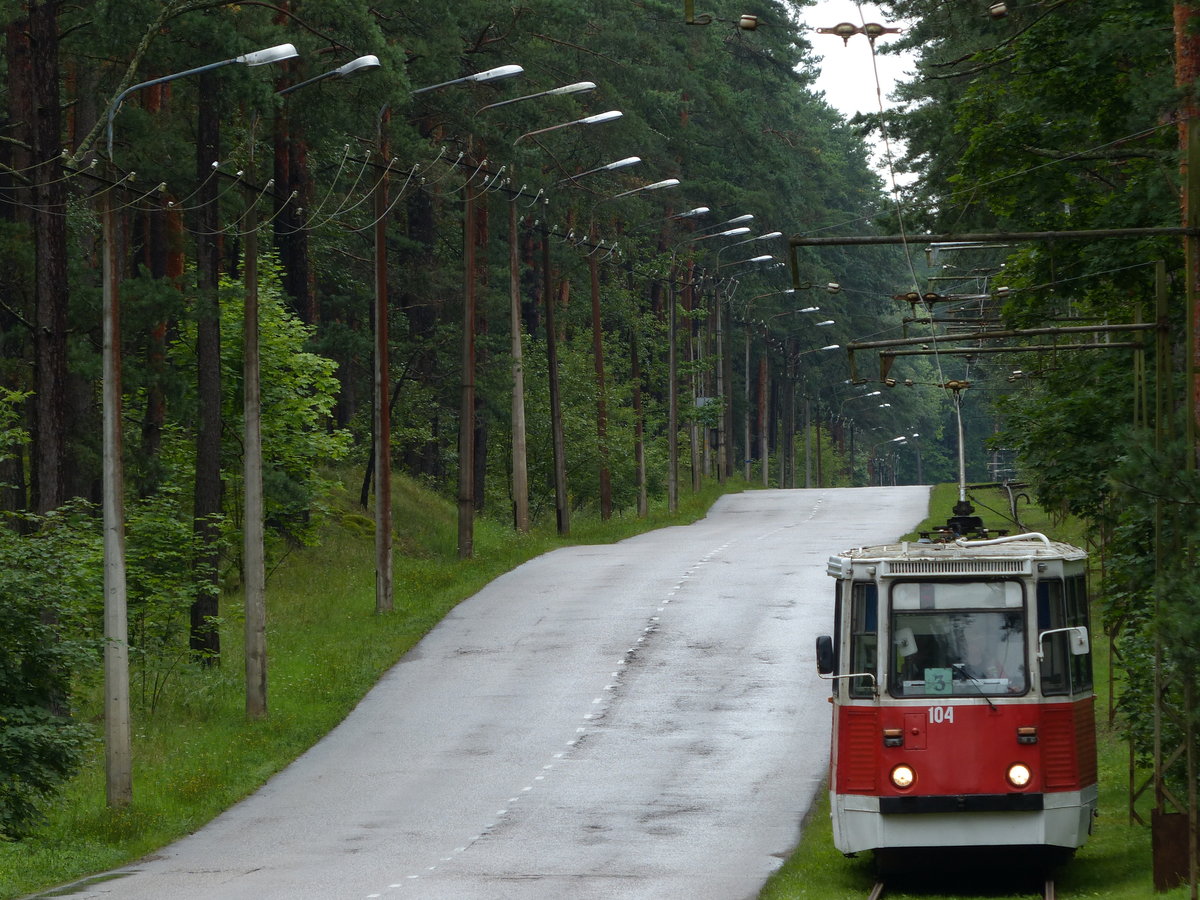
(50, 574)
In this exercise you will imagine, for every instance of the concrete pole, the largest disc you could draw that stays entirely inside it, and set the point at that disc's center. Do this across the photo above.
(253, 562)
(466, 422)
(562, 503)
(384, 599)
(118, 741)
(672, 401)
(520, 465)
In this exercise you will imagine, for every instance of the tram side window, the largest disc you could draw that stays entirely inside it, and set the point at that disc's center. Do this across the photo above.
(864, 639)
(1063, 604)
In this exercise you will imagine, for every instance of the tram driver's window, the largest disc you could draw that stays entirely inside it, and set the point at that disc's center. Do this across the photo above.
(957, 638)
(1063, 604)
(864, 642)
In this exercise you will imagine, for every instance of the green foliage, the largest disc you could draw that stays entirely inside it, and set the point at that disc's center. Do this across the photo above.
(51, 565)
(1066, 441)
(161, 582)
(298, 388)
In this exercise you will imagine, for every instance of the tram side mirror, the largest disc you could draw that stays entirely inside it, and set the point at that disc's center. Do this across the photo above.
(824, 655)
(1078, 639)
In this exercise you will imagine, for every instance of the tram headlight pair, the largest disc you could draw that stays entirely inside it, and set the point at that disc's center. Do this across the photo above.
(903, 776)
(1019, 775)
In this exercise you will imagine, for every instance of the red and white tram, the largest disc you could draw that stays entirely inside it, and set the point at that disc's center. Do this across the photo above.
(962, 697)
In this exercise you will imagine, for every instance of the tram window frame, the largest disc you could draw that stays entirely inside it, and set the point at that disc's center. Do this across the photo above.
(1015, 608)
(863, 637)
(1063, 603)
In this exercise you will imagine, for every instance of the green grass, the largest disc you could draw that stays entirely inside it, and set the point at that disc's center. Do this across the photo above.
(197, 754)
(1115, 864)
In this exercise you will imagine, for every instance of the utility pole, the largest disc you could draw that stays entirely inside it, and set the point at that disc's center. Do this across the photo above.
(562, 504)
(601, 389)
(1187, 71)
(466, 425)
(384, 599)
(520, 473)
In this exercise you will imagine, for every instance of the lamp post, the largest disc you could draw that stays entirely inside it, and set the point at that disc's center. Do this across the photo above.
(382, 418)
(355, 65)
(253, 549)
(871, 456)
(736, 220)
(601, 386)
(117, 731)
(562, 505)
(693, 427)
(872, 30)
(605, 480)
(725, 364)
(466, 435)
(762, 388)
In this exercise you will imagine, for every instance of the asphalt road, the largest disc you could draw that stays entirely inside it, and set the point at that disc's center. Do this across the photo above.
(639, 720)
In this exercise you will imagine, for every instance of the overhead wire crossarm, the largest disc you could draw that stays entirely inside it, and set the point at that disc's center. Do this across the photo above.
(1009, 333)
(887, 356)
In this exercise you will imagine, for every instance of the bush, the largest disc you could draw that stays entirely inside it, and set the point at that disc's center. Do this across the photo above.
(49, 573)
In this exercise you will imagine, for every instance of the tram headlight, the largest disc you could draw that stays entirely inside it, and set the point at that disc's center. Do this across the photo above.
(903, 777)
(1019, 775)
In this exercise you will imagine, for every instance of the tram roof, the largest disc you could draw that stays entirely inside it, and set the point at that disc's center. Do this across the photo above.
(974, 557)
(1031, 547)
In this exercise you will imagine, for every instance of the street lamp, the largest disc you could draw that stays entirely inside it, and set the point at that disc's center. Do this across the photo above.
(762, 237)
(466, 437)
(258, 58)
(586, 120)
(736, 220)
(355, 65)
(730, 232)
(253, 540)
(578, 87)
(520, 482)
(658, 185)
(488, 75)
(753, 260)
(117, 730)
(619, 164)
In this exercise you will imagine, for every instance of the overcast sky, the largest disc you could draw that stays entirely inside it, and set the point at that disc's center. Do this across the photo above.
(847, 78)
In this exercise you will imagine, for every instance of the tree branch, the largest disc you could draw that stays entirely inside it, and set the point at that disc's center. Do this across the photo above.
(168, 10)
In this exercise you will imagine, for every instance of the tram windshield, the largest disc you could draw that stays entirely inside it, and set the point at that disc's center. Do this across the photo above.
(957, 639)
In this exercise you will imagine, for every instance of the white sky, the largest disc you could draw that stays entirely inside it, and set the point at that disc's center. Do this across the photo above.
(847, 78)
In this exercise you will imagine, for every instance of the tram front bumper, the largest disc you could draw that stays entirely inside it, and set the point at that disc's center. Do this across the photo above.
(1060, 819)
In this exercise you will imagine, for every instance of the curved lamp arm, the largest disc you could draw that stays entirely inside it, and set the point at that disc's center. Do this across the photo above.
(270, 55)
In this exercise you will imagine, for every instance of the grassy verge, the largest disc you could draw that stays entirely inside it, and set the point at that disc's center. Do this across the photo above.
(197, 754)
(1115, 864)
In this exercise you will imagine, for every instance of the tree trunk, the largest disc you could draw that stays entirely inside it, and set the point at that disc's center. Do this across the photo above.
(291, 238)
(205, 639)
(34, 92)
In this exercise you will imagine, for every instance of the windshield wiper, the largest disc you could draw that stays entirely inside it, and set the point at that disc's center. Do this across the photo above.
(962, 667)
